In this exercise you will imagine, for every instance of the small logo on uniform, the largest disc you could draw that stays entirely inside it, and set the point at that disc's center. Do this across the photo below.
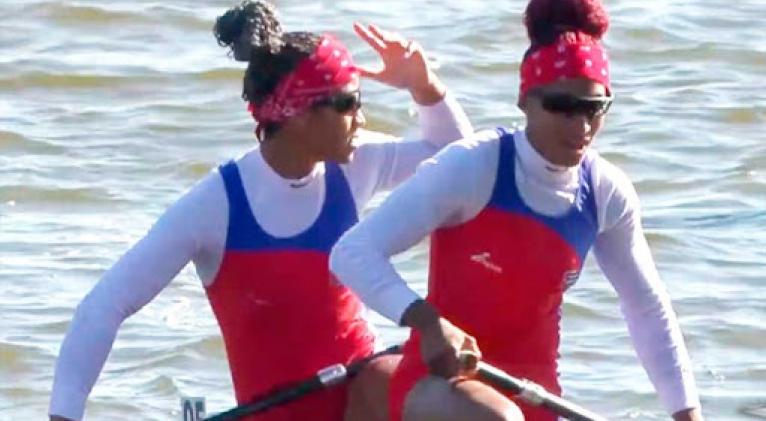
(484, 259)
(570, 277)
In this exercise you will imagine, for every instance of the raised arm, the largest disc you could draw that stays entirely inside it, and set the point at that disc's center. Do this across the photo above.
(381, 166)
(624, 256)
(136, 278)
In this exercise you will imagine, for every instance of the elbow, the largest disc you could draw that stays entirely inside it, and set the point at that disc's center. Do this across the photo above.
(98, 315)
(339, 258)
(349, 260)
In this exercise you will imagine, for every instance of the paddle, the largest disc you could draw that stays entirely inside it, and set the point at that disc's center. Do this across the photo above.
(324, 379)
(534, 394)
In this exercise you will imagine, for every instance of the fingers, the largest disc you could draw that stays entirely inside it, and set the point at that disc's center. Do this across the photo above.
(469, 355)
(370, 37)
(444, 365)
(470, 346)
(414, 48)
(373, 41)
(469, 361)
(379, 38)
(378, 32)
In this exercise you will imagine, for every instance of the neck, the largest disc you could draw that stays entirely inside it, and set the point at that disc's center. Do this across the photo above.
(287, 156)
(532, 139)
(537, 166)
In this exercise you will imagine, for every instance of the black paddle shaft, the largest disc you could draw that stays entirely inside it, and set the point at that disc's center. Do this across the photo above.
(325, 378)
(535, 394)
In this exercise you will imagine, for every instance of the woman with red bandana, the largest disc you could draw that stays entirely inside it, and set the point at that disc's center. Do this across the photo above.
(512, 215)
(259, 228)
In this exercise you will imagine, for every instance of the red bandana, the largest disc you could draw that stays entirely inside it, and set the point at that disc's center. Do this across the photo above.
(326, 71)
(569, 58)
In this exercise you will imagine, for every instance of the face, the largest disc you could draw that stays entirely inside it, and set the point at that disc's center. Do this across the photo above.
(333, 123)
(564, 117)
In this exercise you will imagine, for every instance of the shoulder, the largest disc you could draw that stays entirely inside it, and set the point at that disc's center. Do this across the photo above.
(200, 204)
(616, 197)
(610, 177)
(477, 149)
(466, 168)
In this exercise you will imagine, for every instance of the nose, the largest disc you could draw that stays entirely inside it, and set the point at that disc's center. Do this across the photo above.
(580, 124)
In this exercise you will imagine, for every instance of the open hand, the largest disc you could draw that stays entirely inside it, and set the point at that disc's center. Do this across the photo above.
(405, 65)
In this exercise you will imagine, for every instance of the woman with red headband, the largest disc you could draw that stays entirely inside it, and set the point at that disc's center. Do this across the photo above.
(259, 229)
(512, 215)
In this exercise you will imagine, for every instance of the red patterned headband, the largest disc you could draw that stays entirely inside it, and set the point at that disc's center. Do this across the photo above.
(324, 72)
(578, 56)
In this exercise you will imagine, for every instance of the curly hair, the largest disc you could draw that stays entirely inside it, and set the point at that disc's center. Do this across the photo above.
(253, 33)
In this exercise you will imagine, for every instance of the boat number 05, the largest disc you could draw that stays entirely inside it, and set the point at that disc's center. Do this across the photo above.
(192, 409)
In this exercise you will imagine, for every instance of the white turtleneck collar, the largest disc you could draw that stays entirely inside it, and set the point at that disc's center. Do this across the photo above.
(547, 188)
(265, 188)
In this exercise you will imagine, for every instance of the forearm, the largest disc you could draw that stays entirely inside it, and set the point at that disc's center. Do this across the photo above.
(134, 280)
(443, 122)
(651, 320)
(81, 358)
(361, 266)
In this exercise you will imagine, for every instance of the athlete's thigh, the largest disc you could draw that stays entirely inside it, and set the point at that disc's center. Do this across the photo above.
(368, 392)
(436, 399)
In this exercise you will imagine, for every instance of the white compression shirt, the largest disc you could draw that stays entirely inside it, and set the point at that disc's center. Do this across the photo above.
(194, 230)
(455, 185)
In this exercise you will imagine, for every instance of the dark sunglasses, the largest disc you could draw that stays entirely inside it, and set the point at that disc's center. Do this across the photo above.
(342, 102)
(571, 105)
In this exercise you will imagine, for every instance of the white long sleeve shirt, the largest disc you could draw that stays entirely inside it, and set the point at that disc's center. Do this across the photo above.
(455, 185)
(194, 230)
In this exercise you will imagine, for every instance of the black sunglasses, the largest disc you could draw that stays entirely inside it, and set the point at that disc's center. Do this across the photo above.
(342, 102)
(571, 105)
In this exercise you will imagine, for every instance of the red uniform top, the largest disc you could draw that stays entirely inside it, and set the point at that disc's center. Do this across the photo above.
(282, 314)
(501, 276)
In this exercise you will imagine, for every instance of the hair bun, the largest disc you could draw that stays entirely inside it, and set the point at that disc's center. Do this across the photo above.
(547, 19)
(251, 25)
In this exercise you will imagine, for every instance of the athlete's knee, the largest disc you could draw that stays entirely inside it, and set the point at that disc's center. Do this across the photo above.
(437, 399)
(428, 400)
(434, 399)
(510, 412)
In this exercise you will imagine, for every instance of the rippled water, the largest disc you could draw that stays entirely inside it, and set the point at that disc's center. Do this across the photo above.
(110, 110)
